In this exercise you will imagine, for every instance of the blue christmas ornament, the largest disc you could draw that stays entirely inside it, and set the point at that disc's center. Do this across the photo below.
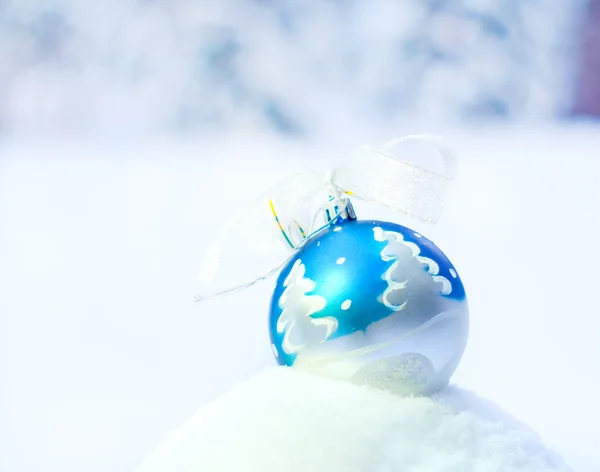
(372, 302)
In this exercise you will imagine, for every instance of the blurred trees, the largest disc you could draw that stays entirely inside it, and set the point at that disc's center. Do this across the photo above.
(587, 91)
(139, 66)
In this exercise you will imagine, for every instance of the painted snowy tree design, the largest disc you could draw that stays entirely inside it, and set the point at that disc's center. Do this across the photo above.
(300, 328)
(411, 278)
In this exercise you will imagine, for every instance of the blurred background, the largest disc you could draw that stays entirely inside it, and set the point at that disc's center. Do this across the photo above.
(295, 67)
(131, 129)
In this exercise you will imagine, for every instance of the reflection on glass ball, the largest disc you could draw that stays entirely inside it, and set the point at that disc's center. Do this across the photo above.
(406, 373)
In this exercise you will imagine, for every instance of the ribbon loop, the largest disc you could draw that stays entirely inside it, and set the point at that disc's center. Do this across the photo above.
(380, 177)
(447, 154)
(286, 213)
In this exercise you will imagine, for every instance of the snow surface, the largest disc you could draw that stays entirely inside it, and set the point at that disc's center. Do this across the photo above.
(286, 420)
(102, 350)
(107, 202)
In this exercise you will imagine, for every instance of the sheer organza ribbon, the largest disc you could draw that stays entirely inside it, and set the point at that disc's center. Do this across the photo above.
(273, 227)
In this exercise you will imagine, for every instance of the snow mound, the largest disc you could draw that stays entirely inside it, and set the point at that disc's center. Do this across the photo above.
(286, 420)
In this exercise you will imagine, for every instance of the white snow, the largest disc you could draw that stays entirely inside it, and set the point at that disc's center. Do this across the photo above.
(286, 420)
(131, 131)
(102, 350)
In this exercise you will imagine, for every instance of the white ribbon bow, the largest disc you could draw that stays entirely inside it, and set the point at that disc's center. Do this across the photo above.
(370, 174)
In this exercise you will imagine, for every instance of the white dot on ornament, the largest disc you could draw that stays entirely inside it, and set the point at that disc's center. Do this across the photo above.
(346, 304)
(274, 350)
(341, 260)
(452, 272)
(417, 235)
(338, 228)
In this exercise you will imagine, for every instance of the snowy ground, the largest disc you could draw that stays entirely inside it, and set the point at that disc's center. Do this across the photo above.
(284, 419)
(102, 350)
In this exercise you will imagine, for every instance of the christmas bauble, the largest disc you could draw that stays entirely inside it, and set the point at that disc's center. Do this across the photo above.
(374, 303)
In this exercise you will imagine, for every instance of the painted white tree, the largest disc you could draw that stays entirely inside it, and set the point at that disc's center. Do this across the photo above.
(296, 321)
(408, 282)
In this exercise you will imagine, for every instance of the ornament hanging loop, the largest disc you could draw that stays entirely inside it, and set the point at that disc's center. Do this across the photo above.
(339, 206)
